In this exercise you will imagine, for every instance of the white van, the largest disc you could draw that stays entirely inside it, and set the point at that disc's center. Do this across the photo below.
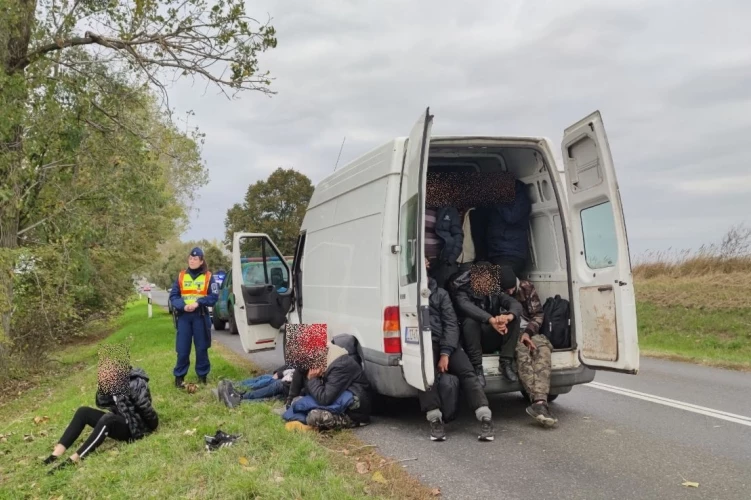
(359, 264)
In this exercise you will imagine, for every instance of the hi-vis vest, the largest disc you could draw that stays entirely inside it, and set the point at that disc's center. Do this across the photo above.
(193, 289)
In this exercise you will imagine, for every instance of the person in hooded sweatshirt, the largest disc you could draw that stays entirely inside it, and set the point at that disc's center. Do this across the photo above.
(123, 392)
(194, 291)
(449, 357)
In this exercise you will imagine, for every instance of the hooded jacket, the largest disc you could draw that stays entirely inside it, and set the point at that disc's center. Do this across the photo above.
(482, 308)
(444, 327)
(448, 227)
(342, 373)
(135, 407)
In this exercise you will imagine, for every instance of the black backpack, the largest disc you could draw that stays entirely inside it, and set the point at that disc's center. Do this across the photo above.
(448, 390)
(556, 325)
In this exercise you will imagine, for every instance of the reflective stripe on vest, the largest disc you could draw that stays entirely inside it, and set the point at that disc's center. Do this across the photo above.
(193, 289)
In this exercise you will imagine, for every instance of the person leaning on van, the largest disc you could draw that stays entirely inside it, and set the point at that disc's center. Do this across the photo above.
(194, 291)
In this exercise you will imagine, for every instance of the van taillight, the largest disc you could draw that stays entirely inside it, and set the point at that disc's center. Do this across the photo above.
(392, 342)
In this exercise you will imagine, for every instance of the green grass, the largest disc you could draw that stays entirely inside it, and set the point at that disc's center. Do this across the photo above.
(718, 337)
(169, 463)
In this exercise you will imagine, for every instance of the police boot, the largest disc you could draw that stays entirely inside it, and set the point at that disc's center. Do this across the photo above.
(180, 382)
(202, 380)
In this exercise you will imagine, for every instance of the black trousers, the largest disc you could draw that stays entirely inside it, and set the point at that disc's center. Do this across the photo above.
(460, 366)
(104, 424)
(516, 264)
(483, 338)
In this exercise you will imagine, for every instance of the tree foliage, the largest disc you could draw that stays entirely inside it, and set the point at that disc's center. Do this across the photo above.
(173, 258)
(95, 174)
(275, 206)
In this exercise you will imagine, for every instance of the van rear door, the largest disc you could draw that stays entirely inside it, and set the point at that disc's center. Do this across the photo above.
(262, 288)
(603, 305)
(417, 347)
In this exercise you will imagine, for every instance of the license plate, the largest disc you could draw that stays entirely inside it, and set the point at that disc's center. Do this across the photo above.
(412, 335)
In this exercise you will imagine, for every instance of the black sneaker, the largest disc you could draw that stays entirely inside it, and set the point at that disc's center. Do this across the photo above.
(220, 440)
(180, 382)
(437, 432)
(228, 395)
(50, 459)
(480, 375)
(507, 370)
(541, 413)
(487, 431)
(62, 465)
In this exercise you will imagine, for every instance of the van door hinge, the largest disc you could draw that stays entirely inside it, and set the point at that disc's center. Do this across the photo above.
(396, 248)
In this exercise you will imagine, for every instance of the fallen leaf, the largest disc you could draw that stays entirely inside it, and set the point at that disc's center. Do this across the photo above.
(345, 451)
(244, 461)
(114, 453)
(382, 462)
(41, 420)
(690, 484)
(279, 479)
(3, 439)
(362, 467)
(436, 492)
(197, 419)
(378, 477)
(190, 432)
(28, 438)
(252, 468)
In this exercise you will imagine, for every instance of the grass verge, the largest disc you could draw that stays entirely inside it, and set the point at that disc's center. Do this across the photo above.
(269, 462)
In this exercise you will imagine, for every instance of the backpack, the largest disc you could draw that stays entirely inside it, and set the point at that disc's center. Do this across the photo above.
(448, 391)
(556, 325)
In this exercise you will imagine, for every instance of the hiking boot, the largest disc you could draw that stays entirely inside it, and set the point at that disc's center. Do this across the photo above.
(180, 382)
(480, 375)
(541, 413)
(202, 380)
(324, 420)
(507, 370)
(228, 395)
(487, 431)
(437, 432)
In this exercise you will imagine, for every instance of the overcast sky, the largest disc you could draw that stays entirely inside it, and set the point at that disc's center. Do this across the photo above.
(672, 79)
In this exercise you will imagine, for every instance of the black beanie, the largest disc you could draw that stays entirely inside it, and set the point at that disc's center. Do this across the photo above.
(508, 278)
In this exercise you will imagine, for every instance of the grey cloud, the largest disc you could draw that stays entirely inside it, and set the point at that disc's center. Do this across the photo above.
(670, 77)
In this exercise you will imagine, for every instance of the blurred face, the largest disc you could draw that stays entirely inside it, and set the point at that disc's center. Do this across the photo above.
(195, 262)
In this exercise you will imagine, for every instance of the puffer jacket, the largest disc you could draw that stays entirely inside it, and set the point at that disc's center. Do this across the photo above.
(481, 308)
(508, 226)
(342, 373)
(135, 407)
(448, 227)
(444, 327)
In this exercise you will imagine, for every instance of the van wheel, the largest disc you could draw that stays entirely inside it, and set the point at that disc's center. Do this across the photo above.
(232, 323)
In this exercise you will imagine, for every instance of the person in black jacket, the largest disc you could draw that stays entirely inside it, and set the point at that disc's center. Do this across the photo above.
(491, 318)
(128, 417)
(449, 357)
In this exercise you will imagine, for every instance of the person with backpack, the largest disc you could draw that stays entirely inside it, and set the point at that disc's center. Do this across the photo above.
(194, 291)
(448, 357)
(533, 351)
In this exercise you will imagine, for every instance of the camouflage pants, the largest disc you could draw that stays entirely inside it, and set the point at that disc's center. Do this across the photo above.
(324, 420)
(534, 367)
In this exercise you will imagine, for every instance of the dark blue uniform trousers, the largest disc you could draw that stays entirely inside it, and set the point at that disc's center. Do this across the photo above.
(193, 328)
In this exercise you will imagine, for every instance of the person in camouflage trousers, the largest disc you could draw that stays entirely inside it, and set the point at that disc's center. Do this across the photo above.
(533, 351)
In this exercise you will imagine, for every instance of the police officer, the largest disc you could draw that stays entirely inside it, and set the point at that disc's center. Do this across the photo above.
(192, 294)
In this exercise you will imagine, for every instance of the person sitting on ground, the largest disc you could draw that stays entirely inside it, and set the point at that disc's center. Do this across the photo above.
(490, 318)
(449, 357)
(123, 392)
(533, 351)
(326, 386)
(268, 386)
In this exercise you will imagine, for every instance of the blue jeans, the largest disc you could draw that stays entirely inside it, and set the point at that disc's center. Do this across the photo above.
(263, 387)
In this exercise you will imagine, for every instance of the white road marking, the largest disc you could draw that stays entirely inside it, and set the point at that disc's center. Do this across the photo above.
(701, 410)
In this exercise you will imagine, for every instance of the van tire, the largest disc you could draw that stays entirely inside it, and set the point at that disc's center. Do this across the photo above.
(232, 323)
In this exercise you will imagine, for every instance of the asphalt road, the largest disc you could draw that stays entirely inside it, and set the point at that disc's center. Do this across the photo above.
(620, 437)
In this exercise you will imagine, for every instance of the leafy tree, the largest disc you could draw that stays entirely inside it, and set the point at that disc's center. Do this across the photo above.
(275, 206)
(174, 258)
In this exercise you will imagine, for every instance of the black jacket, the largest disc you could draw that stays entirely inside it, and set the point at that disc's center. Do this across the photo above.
(444, 327)
(448, 227)
(342, 374)
(481, 308)
(135, 407)
(508, 226)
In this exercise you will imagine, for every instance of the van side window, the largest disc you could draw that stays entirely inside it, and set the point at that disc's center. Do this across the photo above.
(600, 241)
(408, 242)
(261, 265)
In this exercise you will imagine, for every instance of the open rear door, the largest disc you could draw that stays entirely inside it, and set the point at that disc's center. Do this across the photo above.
(603, 303)
(262, 289)
(417, 347)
